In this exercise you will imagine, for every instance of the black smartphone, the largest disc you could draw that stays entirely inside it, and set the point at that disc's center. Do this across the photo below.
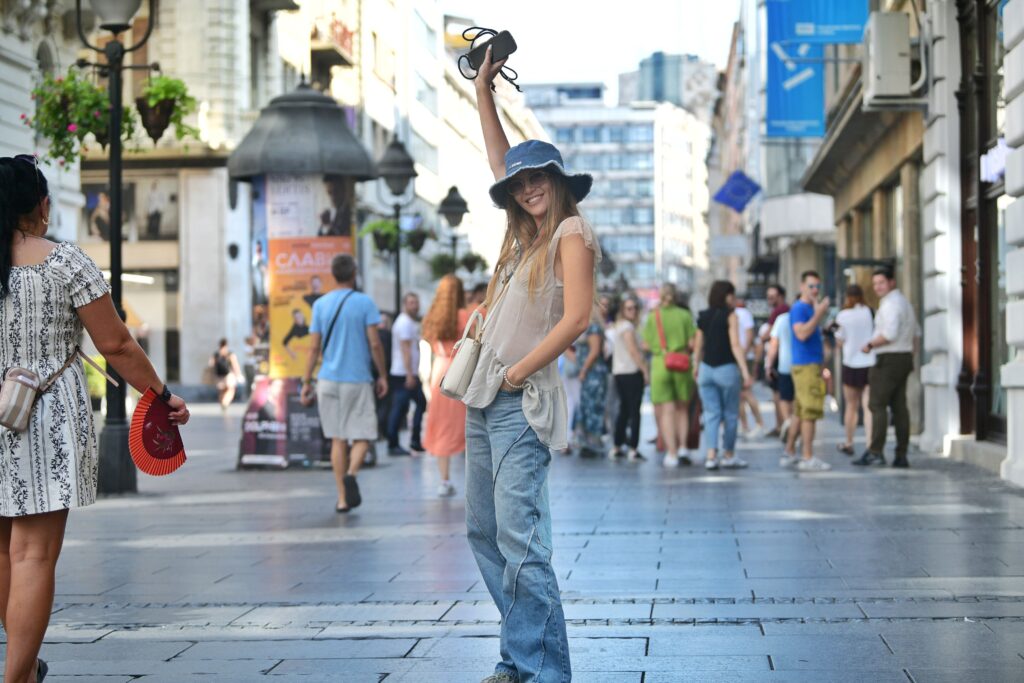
(504, 45)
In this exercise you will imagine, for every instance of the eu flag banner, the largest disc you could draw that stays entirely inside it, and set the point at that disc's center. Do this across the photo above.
(737, 191)
(796, 80)
(821, 21)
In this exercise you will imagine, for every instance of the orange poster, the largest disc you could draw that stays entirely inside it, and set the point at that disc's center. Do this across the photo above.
(299, 273)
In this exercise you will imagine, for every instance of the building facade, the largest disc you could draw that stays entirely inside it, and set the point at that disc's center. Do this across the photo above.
(686, 81)
(649, 197)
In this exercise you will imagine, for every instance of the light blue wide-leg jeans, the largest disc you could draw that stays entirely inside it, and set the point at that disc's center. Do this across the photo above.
(508, 519)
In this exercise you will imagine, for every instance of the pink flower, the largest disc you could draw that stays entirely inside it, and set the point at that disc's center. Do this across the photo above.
(96, 113)
(23, 117)
(72, 127)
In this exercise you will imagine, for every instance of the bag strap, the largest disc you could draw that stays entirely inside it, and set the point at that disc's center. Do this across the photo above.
(476, 314)
(330, 328)
(661, 330)
(71, 359)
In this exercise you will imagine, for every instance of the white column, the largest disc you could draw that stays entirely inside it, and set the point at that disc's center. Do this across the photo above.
(1013, 372)
(941, 255)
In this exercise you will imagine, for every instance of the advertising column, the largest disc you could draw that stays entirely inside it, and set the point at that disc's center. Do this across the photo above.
(307, 224)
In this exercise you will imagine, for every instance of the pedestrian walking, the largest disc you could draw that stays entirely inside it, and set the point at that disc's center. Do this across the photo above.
(569, 371)
(590, 425)
(383, 402)
(227, 372)
(670, 330)
(776, 297)
(344, 334)
(809, 372)
(747, 398)
(893, 343)
(48, 293)
(853, 328)
(721, 374)
(779, 368)
(629, 368)
(404, 380)
(445, 435)
(539, 302)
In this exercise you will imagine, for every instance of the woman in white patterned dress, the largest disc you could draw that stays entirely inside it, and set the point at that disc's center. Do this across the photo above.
(48, 292)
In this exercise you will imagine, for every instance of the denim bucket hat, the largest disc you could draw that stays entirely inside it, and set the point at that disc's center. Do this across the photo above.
(535, 154)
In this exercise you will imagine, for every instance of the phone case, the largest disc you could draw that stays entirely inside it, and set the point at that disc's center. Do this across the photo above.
(504, 45)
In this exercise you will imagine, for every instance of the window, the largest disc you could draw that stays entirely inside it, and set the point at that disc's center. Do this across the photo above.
(423, 152)
(384, 61)
(426, 35)
(426, 93)
(616, 133)
(641, 132)
(564, 135)
(643, 215)
(591, 133)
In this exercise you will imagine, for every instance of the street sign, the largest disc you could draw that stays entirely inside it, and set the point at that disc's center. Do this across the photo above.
(737, 191)
(728, 245)
(821, 21)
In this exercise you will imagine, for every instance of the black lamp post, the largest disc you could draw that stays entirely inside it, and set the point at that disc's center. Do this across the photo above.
(453, 208)
(397, 169)
(116, 471)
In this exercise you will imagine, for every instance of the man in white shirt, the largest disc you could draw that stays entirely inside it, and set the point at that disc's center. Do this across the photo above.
(893, 345)
(404, 377)
(746, 331)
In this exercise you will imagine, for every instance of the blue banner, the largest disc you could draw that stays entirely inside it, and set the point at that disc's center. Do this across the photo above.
(796, 80)
(737, 191)
(820, 21)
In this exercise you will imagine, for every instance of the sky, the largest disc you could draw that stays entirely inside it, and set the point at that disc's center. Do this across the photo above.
(591, 40)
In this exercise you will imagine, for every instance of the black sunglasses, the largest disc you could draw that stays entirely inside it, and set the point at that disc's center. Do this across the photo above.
(535, 179)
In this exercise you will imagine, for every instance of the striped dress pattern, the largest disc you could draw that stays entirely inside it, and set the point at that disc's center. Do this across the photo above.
(52, 465)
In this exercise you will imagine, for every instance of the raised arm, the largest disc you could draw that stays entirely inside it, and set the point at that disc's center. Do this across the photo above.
(494, 135)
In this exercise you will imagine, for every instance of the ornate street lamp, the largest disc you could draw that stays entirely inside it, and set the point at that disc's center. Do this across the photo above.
(397, 169)
(116, 471)
(453, 208)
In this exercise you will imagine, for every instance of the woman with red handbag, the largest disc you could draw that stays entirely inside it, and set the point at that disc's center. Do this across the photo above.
(668, 335)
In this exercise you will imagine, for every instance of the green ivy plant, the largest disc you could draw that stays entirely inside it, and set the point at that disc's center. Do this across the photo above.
(160, 89)
(68, 109)
(441, 264)
(473, 262)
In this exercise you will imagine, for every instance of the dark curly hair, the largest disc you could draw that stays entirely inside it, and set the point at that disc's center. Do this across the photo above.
(22, 187)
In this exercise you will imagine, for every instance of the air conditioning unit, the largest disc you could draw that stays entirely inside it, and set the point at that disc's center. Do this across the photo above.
(886, 67)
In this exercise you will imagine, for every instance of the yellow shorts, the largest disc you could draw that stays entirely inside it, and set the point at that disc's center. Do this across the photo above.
(810, 391)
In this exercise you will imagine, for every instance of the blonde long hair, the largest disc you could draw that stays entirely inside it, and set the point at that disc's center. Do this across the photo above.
(521, 229)
(442, 320)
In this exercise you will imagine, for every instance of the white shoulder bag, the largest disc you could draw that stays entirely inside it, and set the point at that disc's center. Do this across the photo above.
(466, 354)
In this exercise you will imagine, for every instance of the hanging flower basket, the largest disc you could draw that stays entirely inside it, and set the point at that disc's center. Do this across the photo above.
(385, 235)
(155, 118)
(473, 262)
(166, 101)
(416, 239)
(442, 264)
(70, 108)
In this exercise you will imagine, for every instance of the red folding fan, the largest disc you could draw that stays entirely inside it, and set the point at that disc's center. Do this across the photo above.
(154, 442)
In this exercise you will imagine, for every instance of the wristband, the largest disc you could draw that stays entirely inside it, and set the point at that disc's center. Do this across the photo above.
(504, 376)
(165, 395)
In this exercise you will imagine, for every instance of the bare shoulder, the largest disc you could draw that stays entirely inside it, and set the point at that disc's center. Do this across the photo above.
(32, 251)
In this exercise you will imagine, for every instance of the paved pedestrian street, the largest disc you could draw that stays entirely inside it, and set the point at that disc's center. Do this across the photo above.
(757, 575)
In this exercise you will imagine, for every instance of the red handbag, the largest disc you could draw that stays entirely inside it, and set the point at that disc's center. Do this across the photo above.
(675, 361)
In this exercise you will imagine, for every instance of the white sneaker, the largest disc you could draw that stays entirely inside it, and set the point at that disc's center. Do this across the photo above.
(756, 433)
(634, 454)
(813, 465)
(833, 404)
(788, 461)
(734, 463)
(711, 464)
(670, 460)
(684, 456)
(446, 489)
(613, 452)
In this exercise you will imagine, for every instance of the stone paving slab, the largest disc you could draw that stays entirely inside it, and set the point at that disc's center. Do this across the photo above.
(221, 575)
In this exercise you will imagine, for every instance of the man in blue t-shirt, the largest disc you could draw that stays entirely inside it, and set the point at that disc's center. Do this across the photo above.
(808, 366)
(346, 321)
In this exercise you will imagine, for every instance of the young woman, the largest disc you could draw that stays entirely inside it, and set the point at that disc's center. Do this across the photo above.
(721, 372)
(445, 435)
(225, 367)
(47, 293)
(854, 328)
(630, 371)
(539, 300)
(670, 391)
(593, 389)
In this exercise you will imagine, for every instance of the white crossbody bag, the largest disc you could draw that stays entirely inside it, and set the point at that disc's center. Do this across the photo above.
(466, 354)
